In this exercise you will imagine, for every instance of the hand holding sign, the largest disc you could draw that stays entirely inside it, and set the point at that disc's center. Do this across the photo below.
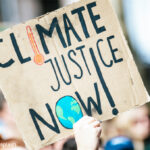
(87, 133)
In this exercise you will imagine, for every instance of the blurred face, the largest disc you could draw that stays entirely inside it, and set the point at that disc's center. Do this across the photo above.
(140, 127)
(6, 115)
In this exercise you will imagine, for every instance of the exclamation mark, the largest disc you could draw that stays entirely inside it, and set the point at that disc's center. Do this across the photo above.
(38, 58)
(101, 78)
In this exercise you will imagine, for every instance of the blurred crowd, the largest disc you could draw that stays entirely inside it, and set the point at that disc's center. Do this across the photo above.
(10, 137)
(130, 130)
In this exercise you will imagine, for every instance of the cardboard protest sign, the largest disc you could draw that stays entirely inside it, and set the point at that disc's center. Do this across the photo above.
(66, 64)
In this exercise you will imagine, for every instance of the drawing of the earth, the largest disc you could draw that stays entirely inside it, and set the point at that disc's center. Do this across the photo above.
(68, 111)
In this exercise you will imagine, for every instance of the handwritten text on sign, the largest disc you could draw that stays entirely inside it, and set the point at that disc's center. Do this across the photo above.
(82, 51)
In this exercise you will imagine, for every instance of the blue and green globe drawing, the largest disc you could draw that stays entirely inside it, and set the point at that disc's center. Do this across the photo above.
(68, 111)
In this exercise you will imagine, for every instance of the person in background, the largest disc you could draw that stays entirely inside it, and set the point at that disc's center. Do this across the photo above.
(136, 125)
(119, 143)
(70, 144)
(9, 135)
